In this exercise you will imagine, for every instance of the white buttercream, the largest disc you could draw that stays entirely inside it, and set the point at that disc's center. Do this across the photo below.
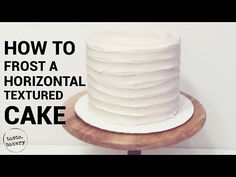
(133, 74)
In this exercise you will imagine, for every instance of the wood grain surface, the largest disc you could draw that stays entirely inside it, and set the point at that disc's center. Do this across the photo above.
(90, 134)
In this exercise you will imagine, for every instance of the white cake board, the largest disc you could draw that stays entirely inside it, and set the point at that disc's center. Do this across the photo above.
(183, 115)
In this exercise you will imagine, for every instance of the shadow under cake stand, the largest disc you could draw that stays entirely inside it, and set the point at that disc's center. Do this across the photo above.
(133, 143)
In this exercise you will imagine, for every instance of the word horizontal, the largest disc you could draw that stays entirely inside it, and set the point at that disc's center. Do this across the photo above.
(43, 81)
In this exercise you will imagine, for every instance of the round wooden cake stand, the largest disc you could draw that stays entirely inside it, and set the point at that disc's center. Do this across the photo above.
(133, 143)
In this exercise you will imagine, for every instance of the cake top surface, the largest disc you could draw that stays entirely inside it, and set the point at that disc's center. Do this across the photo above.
(131, 40)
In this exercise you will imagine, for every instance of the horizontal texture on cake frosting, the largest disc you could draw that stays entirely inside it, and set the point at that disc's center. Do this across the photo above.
(133, 74)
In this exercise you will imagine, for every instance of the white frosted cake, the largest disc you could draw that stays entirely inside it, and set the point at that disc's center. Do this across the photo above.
(133, 75)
